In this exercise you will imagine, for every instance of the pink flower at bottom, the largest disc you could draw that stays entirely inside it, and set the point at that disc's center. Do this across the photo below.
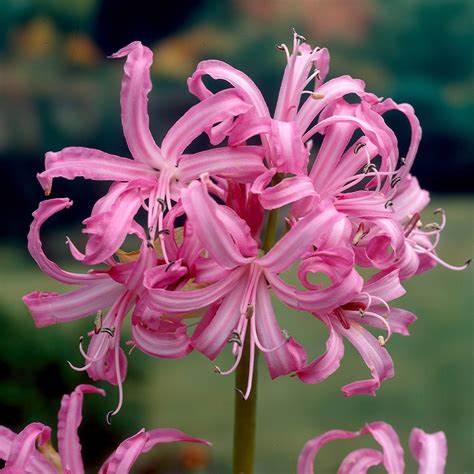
(30, 451)
(429, 450)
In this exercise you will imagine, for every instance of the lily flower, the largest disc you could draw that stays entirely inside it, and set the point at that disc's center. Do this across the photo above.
(109, 293)
(155, 174)
(238, 303)
(429, 450)
(31, 451)
(368, 308)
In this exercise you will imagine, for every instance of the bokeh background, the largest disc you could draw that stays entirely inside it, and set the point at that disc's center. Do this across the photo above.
(57, 89)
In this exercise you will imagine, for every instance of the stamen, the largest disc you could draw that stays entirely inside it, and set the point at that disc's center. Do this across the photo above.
(149, 244)
(280, 47)
(360, 234)
(382, 340)
(394, 181)
(298, 36)
(388, 204)
(132, 348)
(412, 224)
(317, 95)
(108, 417)
(369, 167)
(235, 338)
(403, 160)
(109, 331)
(98, 322)
(163, 232)
(169, 265)
(358, 147)
(162, 203)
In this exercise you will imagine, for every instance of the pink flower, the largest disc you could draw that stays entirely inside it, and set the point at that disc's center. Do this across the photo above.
(118, 289)
(238, 302)
(156, 173)
(30, 451)
(369, 308)
(429, 450)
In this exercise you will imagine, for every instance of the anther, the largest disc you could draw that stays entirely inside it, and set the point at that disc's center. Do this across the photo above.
(108, 417)
(98, 322)
(109, 331)
(381, 340)
(360, 234)
(249, 312)
(438, 211)
(240, 392)
(164, 232)
(132, 349)
(217, 370)
(388, 204)
(280, 47)
(432, 226)
(235, 338)
(285, 334)
(298, 36)
(149, 244)
(361, 313)
(395, 180)
(403, 160)
(162, 203)
(369, 167)
(468, 262)
(169, 265)
(81, 339)
(358, 147)
(317, 95)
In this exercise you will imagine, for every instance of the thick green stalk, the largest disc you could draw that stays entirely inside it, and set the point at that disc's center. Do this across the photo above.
(245, 410)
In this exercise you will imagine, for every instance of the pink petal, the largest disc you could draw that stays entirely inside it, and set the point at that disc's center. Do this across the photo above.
(73, 162)
(202, 212)
(409, 198)
(242, 164)
(430, 450)
(216, 108)
(290, 356)
(360, 461)
(385, 285)
(375, 356)
(331, 90)
(386, 436)
(159, 337)
(312, 447)
(223, 71)
(181, 301)
(69, 420)
(52, 308)
(109, 224)
(136, 85)
(42, 214)
(297, 241)
(398, 319)
(104, 368)
(326, 364)
(288, 191)
(122, 460)
(408, 111)
(6, 439)
(23, 447)
(212, 334)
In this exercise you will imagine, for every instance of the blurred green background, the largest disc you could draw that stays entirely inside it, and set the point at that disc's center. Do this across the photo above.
(57, 89)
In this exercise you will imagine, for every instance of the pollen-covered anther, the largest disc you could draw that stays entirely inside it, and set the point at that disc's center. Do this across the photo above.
(388, 204)
(235, 338)
(359, 147)
(280, 47)
(382, 340)
(98, 322)
(369, 168)
(285, 334)
(162, 203)
(317, 95)
(360, 234)
(169, 265)
(298, 36)
(217, 370)
(109, 331)
(394, 181)
(163, 232)
(361, 313)
(108, 417)
(249, 312)
(432, 226)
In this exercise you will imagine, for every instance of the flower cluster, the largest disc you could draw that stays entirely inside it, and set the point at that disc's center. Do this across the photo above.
(31, 451)
(326, 158)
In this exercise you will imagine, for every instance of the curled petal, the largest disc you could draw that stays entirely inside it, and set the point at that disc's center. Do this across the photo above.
(326, 364)
(6, 439)
(242, 164)
(408, 111)
(360, 461)
(52, 308)
(290, 190)
(104, 368)
(123, 458)
(377, 359)
(215, 236)
(181, 301)
(330, 92)
(136, 85)
(385, 286)
(109, 224)
(287, 356)
(45, 210)
(216, 108)
(69, 419)
(312, 447)
(212, 333)
(23, 447)
(73, 162)
(223, 71)
(163, 337)
(386, 436)
(296, 242)
(430, 450)
(409, 198)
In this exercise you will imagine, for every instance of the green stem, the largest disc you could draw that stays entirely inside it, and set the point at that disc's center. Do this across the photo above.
(245, 410)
